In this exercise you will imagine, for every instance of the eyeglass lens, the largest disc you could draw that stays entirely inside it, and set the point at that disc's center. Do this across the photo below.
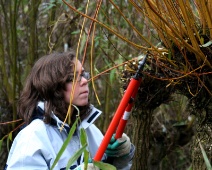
(85, 74)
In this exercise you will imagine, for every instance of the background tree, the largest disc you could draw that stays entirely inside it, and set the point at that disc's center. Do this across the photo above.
(20, 34)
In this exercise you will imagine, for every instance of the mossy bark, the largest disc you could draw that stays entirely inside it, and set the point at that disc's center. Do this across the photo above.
(204, 137)
(140, 136)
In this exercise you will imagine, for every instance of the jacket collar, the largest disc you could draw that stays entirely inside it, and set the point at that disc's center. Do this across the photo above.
(94, 114)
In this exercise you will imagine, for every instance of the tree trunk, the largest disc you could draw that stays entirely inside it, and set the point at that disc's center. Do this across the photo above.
(140, 131)
(203, 136)
(33, 37)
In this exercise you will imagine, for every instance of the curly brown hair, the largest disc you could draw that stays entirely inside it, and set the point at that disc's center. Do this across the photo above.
(46, 82)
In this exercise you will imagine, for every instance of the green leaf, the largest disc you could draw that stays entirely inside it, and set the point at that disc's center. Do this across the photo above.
(104, 166)
(80, 9)
(207, 162)
(182, 123)
(9, 138)
(86, 157)
(75, 156)
(1, 141)
(112, 75)
(65, 144)
(82, 43)
(76, 32)
(83, 140)
(97, 40)
(83, 137)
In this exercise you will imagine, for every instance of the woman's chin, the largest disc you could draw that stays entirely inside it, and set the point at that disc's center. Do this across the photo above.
(82, 103)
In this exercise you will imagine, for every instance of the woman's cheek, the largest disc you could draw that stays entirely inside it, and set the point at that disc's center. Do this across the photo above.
(67, 93)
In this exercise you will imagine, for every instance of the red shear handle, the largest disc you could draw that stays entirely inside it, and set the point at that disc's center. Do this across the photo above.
(115, 121)
(132, 88)
(122, 125)
(127, 112)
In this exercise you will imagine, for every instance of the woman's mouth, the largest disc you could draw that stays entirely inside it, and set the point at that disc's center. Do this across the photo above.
(85, 92)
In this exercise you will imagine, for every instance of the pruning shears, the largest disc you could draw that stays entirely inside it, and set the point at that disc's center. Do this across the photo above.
(123, 111)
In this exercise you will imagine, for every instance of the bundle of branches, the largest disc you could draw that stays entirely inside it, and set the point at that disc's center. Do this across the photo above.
(185, 31)
(184, 28)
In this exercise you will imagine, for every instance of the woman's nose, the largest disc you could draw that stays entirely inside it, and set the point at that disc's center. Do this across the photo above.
(83, 81)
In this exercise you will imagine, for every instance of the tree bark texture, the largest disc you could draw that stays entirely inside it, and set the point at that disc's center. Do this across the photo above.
(140, 132)
(203, 136)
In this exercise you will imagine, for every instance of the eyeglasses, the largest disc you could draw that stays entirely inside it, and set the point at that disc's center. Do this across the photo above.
(78, 78)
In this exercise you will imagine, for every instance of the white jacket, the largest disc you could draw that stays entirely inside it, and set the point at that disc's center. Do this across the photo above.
(37, 145)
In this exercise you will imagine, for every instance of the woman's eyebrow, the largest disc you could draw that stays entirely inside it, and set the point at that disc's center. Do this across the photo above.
(80, 71)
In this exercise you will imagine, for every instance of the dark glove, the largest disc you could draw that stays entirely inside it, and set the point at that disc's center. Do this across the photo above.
(119, 147)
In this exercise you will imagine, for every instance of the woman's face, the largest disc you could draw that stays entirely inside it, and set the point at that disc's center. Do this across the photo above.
(79, 89)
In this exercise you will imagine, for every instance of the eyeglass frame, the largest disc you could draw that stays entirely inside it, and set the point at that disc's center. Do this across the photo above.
(83, 74)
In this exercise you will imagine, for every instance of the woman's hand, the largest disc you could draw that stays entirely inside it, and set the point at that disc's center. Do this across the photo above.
(119, 147)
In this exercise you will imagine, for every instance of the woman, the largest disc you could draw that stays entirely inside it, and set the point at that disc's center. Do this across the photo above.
(55, 81)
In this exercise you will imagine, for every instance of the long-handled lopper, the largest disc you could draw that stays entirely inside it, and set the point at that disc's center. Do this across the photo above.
(123, 111)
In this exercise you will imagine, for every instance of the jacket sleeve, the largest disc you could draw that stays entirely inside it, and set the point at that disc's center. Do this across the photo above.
(25, 161)
(124, 162)
(27, 152)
